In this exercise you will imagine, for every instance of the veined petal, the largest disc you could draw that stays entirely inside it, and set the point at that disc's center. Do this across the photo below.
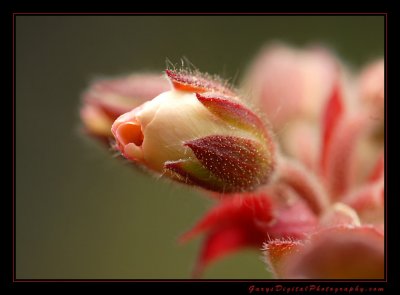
(241, 163)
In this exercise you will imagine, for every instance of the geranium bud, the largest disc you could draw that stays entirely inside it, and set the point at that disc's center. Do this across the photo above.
(107, 99)
(199, 133)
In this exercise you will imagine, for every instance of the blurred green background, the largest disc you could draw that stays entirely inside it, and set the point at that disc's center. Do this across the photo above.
(80, 214)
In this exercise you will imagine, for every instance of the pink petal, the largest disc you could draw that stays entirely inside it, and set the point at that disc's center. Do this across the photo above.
(300, 141)
(107, 99)
(368, 201)
(340, 253)
(291, 83)
(294, 218)
(120, 95)
(372, 87)
(306, 185)
(137, 86)
(340, 214)
(97, 123)
(340, 153)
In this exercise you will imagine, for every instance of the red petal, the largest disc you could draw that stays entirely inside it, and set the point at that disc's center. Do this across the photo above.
(197, 82)
(224, 241)
(238, 209)
(241, 164)
(248, 220)
(232, 112)
(333, 112)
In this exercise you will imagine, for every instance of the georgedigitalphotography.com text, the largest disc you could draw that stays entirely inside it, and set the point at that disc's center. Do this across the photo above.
(279, 288)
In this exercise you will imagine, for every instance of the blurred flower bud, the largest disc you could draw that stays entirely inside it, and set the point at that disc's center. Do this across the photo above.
(107, 99)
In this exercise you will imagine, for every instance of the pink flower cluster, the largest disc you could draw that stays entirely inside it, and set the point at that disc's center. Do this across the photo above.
(294, 157)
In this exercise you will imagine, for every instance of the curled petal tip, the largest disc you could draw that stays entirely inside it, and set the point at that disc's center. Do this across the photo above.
(196, 82)
(129, 133)
(129, 136)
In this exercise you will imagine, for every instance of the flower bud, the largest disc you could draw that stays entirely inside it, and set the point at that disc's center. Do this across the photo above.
(107, 99)
(199, 133)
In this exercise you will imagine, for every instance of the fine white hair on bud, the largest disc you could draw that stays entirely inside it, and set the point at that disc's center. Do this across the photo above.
(199, 133)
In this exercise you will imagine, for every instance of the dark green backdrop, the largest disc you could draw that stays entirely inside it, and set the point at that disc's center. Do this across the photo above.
(82, 214)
